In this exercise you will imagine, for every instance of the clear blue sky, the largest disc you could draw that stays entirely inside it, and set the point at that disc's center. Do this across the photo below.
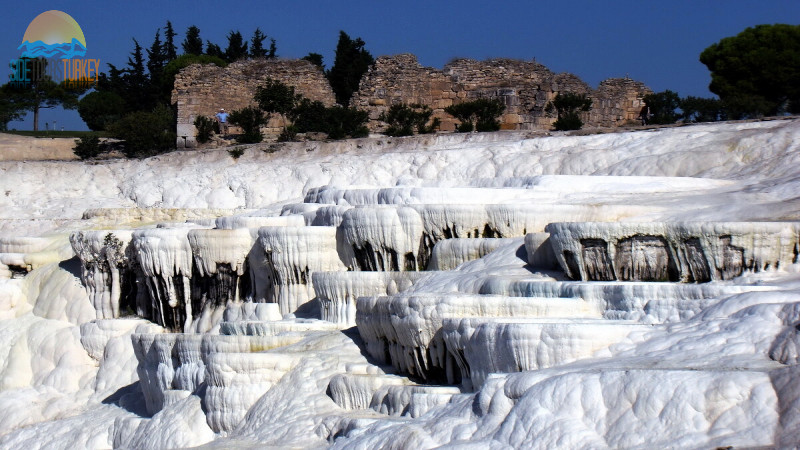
(657, 42)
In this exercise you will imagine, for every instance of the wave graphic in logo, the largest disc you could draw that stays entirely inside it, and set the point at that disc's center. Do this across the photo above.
(65, 50)
(53, 34)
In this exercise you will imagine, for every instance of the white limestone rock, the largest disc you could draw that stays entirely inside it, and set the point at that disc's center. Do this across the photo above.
(337, 291)
(450, 253)
(646, 302)
(237, 380)
(405, 330)
(483, 345)
(411, 400)
(107, 269)
(254, 221)
(356, 391)
(384, 238)
(249, 311)
(221, 261)
(293, 254)
(688, 251)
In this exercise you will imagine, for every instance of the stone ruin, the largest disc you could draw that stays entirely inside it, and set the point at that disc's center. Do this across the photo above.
(526, 87)
(201, 90)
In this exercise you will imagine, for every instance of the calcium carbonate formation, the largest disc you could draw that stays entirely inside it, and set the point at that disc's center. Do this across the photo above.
(629, 290)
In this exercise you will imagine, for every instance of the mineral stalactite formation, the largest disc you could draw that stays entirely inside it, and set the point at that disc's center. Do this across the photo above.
(489, 290)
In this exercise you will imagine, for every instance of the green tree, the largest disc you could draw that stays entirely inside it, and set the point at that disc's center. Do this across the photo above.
(12, 106)
(480, 114)
(487, 111)
(99, 109)
(698, 109)
(42, 93)
(346, 122)
(257, 49)
(213, 49)
(170, 50)
(250, 119)
(192, 44)
(464, 112)
(156, 60)
(757, 72)
(237, 47)
(404, 119)
(310, 116)
(132, 83)
(316, 59)
(205, 127)
(87, 146)
(567, 106)
(276, 97)
(662, 107)
(349, 65)
(146, 133)
(337, 121)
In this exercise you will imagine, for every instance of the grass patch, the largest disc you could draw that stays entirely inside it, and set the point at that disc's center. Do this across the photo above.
(59, 134)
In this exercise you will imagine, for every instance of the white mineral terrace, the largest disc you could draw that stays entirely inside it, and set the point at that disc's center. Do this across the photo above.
(477, 290)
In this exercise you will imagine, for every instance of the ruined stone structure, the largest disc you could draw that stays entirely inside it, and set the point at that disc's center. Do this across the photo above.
(203, 89)
(526, 87)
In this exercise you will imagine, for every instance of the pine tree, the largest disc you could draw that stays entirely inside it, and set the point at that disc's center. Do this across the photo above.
(237, 47)
(257, 49)
(272, 49)
(213, 49)
(351, 62)
(193, 44)
(156, 58)
(170, 50)
(135, 80)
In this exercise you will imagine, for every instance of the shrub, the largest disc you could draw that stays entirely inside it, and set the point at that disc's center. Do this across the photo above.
(343, 122)
(205, 127)
(100, 109)
(236, 152)
(310, 116)
(465, 127)
(289, 133)
(337, 122)
(486, 113)
(568, 121)
(146, 133)
(567, 106)
(403, 119)
(250, 119)
(87, 146)
(480, 114)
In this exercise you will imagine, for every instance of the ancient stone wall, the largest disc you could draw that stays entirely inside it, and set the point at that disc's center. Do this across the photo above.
(525, 87)
(204, 89)
(617, 102)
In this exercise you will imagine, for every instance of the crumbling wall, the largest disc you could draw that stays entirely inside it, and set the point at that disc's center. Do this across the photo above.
(204, 89)
(617, 102)
(525, 87)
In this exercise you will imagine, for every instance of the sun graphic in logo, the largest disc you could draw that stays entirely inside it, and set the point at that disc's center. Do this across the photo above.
(53, 34)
